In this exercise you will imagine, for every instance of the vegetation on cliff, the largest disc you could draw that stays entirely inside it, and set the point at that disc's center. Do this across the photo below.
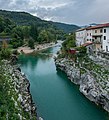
(70, 44)
(11, 107)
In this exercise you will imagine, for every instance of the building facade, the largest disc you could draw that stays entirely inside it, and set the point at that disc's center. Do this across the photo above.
(80, 36)
(99, 35)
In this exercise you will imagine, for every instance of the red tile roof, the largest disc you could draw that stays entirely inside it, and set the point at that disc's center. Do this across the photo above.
(94, 27)
(87, 43)
(98, 26)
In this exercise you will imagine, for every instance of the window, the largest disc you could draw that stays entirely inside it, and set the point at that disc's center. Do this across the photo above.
(104, 30)
(106, 48)
(95, 37)
(95, 31)
(90, 34)
(104, 37)
(101, 31)
(101, 46)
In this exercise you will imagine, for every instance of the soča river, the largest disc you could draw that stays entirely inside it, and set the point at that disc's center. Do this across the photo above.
(55, 96)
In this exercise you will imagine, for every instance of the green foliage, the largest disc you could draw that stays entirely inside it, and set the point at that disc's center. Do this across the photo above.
(6, 25)
(5, 54)
(26, 19)
(45, 36)
(17, 37)
(8, 109)
(66, 27)
(17, 32)
(30, 27)
(70, 42)
(31, 43)
(34, 32)
(26, 31)
(16, 42)
(81, 49)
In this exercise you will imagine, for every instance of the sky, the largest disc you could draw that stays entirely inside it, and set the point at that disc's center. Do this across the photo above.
(79, 12)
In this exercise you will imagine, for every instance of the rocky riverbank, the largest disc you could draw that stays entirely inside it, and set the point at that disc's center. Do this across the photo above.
(28, 50)
(92, 79)
(19, 90)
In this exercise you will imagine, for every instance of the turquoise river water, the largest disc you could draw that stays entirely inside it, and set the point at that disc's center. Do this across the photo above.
(56, 98)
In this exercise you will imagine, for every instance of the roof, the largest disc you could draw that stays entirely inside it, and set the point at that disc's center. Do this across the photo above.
(93, 27)
(98, 26)
(87, 43)
(81, 29)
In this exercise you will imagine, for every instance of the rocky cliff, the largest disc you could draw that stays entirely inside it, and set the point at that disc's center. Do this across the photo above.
(19, 91)
(92, 79)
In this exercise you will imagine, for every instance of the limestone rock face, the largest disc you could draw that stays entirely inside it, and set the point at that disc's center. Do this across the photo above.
(21, 86)
(96, 89)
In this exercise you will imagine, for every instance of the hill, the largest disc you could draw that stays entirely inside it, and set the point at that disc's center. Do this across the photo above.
(24, 18)
(66, 27)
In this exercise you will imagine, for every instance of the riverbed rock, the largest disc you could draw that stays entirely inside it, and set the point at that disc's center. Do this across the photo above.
(94, 85)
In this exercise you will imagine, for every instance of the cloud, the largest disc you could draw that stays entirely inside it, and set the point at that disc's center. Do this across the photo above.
(68, 11)
(99, 11)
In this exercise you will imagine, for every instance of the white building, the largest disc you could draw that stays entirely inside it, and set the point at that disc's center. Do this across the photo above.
(105, 38)
(80, 36)
(99, 35)
(89, 35)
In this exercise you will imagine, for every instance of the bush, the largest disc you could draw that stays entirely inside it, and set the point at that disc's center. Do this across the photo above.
(5, 54)
(81, 49)
(15, 52)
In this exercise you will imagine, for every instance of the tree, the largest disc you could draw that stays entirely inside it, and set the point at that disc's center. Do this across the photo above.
(31, 44)
(34, 32)
(17, 37)
(43, 36)
(26, 31)
(70, 42)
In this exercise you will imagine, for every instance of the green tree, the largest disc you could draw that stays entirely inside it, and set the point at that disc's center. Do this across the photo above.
(43, 36)
(26, 31)
(34, 32)
(31, 43)
(17, 37)
(70, 42)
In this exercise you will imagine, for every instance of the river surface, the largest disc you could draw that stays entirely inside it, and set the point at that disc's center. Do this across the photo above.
(55, 96)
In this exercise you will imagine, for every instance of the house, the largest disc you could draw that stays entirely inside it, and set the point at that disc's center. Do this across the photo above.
(80, 36)
(98, 34)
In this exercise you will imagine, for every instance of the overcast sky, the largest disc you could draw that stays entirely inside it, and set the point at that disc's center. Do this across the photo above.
(80, 12)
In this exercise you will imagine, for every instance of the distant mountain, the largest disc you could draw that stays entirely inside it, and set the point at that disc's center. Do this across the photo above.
(92, 24)
(66, 27)
(20, 18)
(24, 18)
